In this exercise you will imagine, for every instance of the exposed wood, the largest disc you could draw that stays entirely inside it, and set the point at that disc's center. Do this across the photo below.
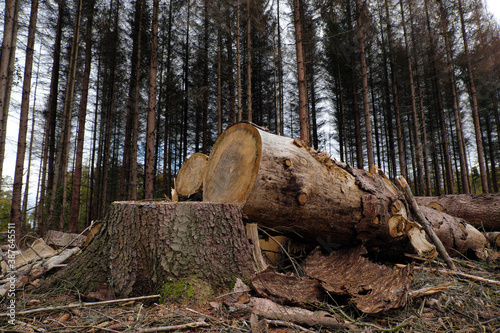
(493, 237)
(272, 247)
(426, 224)
(480, 210)
(143, 245)
(63, 239)
(281, 183)
(456, 235)
(94, 229)
(190, 176)
(253, 236)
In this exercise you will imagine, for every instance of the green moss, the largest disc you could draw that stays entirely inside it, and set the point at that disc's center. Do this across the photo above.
(190, 289)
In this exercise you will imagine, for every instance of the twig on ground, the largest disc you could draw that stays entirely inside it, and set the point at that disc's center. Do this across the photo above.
(174, 327)
(217, 320)
(429, 290)
(287, 324)
(79, 305)
(451, 272)
(121, 322)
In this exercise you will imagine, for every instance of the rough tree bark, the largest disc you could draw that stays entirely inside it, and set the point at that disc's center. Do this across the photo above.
(143, 245)
(283, 184)
(481, 210)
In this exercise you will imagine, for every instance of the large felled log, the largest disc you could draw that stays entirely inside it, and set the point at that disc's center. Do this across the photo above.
(142, 246)
(481, 210)
(190, 176)
(296, 190)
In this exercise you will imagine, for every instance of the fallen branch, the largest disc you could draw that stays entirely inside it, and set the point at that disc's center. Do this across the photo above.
(425, 224)
(287, 324)
(271, 310)
(174, 327)
(429, 290)
(450, 272)
(78, 305)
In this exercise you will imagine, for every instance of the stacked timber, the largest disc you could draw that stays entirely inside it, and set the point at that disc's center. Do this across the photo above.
(283, 184)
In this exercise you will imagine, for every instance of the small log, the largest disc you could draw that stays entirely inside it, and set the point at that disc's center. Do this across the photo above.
(189, 179)
(141, 246)
(482, 211)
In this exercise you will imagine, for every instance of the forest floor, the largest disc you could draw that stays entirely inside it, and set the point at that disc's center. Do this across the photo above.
(465, 305)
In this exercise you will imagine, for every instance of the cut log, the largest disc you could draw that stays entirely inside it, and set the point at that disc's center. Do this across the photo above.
(285, 185)
(494, 238)
(482, 210)
(189, 179)
(142, 246)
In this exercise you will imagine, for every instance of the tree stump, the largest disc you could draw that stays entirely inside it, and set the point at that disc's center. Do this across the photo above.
(143, 245)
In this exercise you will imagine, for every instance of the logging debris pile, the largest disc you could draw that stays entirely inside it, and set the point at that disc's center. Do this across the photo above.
(375, 268)
(438, 300)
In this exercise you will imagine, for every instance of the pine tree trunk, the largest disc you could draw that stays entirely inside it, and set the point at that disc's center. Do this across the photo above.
(60, 177)
(238, 60)
(7, 61)
(219, 72)
(427, 176)
(301, 73)
(185, 107)
(364, 76)
(142, 246)
(416, 132)
(23, 124)
(475, 111)
(49, 130)
(167, 130)
(280, 73)
(74, 210)
(150, 138)
(449, 183)
(249, 62)
(464, 169)
(397, 113)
